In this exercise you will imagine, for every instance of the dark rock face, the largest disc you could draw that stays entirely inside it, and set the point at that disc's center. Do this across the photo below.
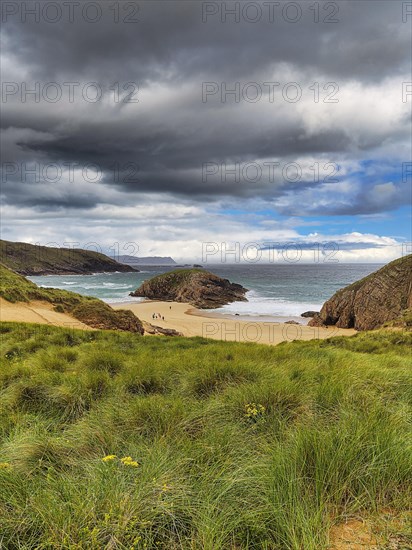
(308, 314)
(372, 301)
(197, 287)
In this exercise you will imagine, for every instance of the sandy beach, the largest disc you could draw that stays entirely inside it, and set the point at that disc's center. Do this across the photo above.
(194, 322)
(182, 317)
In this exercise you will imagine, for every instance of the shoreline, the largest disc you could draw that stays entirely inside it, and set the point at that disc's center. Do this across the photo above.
(191, 321)
(213, 314)
(181, 317)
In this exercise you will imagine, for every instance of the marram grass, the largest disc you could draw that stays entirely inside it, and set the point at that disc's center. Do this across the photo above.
(114, 441)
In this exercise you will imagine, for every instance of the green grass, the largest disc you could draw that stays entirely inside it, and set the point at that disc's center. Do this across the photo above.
(176, 277)
(330, 439)
(91, 311)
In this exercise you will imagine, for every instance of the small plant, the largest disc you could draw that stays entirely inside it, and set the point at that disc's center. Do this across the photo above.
(125, 461)
(109, 458)
(128, 461)
(12, 353)
(254, 412)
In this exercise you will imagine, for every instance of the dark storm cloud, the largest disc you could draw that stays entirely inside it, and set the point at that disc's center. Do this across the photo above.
(169, 140)
(368, 40)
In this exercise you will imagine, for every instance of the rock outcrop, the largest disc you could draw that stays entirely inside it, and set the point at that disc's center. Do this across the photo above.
(308, 314)
(195, 286)
(154, 329)
(372, 301)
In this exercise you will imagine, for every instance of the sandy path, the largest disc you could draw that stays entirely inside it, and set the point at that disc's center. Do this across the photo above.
(193, 322)
(37, 312)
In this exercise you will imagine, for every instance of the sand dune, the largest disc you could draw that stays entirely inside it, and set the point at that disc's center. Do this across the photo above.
(37, 312)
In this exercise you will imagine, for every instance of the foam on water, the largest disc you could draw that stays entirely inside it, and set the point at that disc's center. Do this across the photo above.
(258, 305)
(124, 300)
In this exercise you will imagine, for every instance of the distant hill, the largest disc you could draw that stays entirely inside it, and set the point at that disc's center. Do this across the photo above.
(29, 259)
(148, 260)
(381, 297)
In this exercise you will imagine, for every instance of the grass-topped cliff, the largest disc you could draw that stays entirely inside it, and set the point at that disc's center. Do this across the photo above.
(91, 311)
(176, 277)
(381, 297)
(194, 286)
(112, 441)
(29, 259)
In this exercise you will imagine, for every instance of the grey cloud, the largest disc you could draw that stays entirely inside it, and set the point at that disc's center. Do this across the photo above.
(171, 46)
(170, 40)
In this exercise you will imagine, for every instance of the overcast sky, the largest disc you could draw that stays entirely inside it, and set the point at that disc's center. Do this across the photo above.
(172, 124)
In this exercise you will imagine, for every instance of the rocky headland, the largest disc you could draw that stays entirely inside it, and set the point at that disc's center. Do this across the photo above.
(197, 287)
(381, 297)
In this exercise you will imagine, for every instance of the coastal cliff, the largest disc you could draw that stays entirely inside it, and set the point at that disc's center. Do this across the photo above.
(195, 286)
(29, 259)
(374, 300)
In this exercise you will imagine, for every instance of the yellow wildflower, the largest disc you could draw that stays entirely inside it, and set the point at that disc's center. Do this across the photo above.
(128, 461)
(109, 458)
(4, 465)
(253, 410)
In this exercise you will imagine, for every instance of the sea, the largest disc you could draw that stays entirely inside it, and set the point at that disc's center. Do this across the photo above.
(276, 292)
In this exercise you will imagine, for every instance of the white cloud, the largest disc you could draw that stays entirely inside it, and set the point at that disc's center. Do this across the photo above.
(182, 231)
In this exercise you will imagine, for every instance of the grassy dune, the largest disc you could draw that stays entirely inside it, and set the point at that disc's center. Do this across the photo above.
(91, 311)
(224, 445)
